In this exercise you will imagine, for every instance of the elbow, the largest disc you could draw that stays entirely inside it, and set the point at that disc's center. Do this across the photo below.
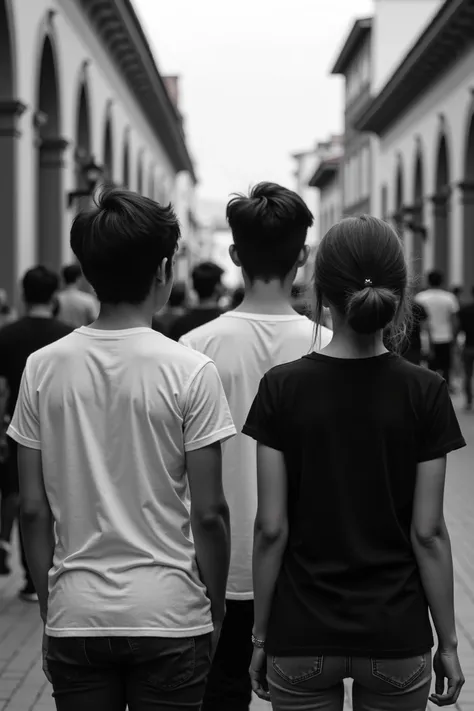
(213, 517)
(271, 533)
(428, 537)
(32, 514)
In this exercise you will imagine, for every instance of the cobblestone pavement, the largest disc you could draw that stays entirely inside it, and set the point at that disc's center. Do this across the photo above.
(24, 688)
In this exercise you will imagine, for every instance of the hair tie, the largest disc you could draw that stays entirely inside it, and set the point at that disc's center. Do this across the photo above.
(368, 282)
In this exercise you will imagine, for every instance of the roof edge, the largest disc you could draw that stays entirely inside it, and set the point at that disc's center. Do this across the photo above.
(360, 29)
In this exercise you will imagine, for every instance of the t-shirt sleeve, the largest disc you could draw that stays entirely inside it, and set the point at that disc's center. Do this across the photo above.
(264, 419)
(454, 304)
(25, 427)
(440, 431)
(207, 417)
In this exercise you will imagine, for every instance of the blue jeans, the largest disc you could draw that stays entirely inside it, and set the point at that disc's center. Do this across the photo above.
(316, 683)
(145, 673)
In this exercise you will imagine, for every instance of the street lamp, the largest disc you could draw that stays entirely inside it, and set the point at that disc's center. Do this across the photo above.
(92, 174)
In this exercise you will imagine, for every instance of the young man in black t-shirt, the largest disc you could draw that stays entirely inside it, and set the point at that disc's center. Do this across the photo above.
(207, 283)
(466, 327)
(18, 341)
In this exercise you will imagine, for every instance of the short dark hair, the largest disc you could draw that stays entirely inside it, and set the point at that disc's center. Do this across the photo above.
(360, 269)
(178, 294)
(206, 278)
(71, 273)
(39, 285)
(120, 243)
(269, 229)
(435, 278)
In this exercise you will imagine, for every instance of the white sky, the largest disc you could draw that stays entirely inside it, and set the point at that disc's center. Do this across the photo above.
(255, 82)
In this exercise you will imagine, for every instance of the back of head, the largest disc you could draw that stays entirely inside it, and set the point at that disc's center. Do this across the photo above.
(39, 286)
(360, 270)
(269, 229)
(435, 279)
(121, 242)
(71, 274)
(206, 278)
(178, 294)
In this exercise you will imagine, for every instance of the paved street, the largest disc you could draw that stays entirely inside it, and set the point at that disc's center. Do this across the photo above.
(23, 687)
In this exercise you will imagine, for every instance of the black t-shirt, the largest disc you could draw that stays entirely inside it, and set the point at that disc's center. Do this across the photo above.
(352, 433)
(18, 341)
(466, 323)
(193, 319)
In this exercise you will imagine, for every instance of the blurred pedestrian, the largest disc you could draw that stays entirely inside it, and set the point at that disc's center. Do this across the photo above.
(174, 309)
(269, 229)
(441, 307)
(18, 341)
(351, 549)
(466, 328)
(207, 283)
(7, 314)
(237, 297)
(119, 433)
(75, 307)
(412, 343)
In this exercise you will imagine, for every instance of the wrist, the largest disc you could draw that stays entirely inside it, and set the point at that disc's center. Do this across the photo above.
(449, 646)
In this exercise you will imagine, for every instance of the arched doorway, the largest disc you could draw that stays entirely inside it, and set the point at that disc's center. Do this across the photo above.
(108, 151)
(441, 210)
(126, 161)
(468, 208)
(50, 161)
(418, 216)
(10, 110)
(140, 173)
(83, 137)
(151, 183)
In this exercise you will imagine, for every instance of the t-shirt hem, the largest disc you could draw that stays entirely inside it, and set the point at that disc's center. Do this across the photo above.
(276, 650)
(219, 436)
(128, 631)
(442, 451)
(239, 596)
(21, 439)
(262, 438)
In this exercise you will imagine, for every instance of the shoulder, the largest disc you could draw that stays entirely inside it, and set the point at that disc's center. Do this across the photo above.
(417, 377)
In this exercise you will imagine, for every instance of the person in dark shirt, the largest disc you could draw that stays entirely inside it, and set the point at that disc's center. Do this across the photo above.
(351, 550)
(18, 341)
(207, 283)
(466, 327)
(175, 308)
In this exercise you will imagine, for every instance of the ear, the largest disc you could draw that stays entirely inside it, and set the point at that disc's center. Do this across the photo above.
(234, 256)
(303, 256)
(161, 277)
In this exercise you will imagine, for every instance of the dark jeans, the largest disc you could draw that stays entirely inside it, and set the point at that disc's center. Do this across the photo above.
(442, 359)
(468, 363)
(316, 683)
(228, 686)
(145, 673)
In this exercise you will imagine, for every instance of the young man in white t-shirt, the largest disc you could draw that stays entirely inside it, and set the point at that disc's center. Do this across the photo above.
(269, 231)
(119, 432)
(442, 308)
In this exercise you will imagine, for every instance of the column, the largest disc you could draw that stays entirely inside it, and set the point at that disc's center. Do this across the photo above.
(455, 274)
(467, 246)
(440, 233)
(51, 201)
(10, 112)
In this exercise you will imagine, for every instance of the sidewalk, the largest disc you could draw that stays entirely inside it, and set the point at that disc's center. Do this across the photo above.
(24, 688)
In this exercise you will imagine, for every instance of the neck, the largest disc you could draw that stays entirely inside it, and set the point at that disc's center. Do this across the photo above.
(118, 317)
(209, 303)
(71, 286)
(40, 310)
(346, 343)
(273, 297)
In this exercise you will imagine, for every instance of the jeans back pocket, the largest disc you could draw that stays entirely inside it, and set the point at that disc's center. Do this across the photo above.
(400, 673)
(296, 670)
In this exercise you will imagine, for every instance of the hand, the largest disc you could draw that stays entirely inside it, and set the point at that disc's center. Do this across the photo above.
(258, 674)
(215, 636)
(446, 666)
(44, 649)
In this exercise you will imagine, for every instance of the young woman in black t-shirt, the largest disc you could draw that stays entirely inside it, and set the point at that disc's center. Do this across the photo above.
(351, 548)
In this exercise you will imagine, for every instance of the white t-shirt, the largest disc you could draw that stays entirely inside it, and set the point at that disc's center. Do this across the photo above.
(244, 347)
(440, 306)
(76, 308)
(113, 413)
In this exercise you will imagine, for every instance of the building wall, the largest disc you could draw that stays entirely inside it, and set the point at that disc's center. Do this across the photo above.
(78, 56)
(330, 198)
(446, 109)
(396, 26)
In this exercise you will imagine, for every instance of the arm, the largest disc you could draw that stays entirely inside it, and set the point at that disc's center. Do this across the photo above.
(432, 548)
(36, 522)
(271, 532)
(210, 523)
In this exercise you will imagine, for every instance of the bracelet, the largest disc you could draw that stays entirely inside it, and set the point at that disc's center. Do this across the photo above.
(259, 643)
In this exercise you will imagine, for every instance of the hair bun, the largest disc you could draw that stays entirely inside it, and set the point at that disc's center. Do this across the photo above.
(371, 309)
